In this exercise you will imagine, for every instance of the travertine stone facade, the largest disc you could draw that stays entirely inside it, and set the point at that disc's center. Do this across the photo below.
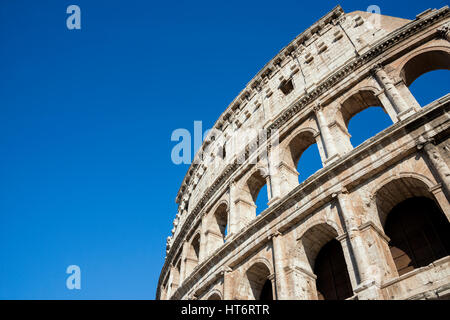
(349, 210)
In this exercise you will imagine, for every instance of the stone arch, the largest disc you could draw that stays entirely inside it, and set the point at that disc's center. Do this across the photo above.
(254, 183)
(295, 145)
(220, 203)
(414, 222)
(216, 227)
(422, 61)
(322, 260)
(255, 279)
(357, 101)
(214, 295)
(193, 253)
(298, 142)
(314, 238)
(393, 190)
(351, 104)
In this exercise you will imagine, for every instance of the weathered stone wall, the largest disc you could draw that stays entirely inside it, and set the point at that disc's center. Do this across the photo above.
(307, 94)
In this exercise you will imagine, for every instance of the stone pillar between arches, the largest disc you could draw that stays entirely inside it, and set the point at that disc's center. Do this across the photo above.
(366, 251)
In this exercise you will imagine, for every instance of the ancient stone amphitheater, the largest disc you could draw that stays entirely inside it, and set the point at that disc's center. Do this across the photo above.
(372, 223)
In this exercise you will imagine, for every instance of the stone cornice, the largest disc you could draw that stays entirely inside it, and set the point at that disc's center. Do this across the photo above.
(380, 47)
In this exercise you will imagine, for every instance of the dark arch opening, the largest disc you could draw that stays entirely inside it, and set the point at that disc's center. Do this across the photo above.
(214, 296)
(419, 233)
(196, 247)
(266, 292)
(221, 219)
(333, 282)
(258, 280)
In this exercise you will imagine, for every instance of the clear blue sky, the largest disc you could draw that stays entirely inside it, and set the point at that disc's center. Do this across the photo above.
(86, 118)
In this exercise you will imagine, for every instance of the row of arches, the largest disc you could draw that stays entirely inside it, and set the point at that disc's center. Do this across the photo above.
(303, 155)
(361, 115)
(411, 218)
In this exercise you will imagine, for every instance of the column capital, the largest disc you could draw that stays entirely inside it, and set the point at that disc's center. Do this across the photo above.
(225, 270)
(274, 235)
(336, 194)
(444, 31)
(300, 270)
(373, 226)
(376, 68)
(317, 106)
(423, 141)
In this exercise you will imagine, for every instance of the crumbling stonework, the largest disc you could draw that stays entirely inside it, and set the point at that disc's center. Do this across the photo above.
(343, 64)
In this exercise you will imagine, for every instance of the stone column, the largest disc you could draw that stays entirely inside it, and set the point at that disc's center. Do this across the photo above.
(441, 199)
(227, 283)
(283, 177)
(242, 210)
(271, 277)
(183, 263)
(339, 131)
(387, 105)
(173, 285)
(279, 260)
(321, 148)
(358, 260)
(439, 165)
(302, 284)
(327, 138)
(407, 95)
(403, 110)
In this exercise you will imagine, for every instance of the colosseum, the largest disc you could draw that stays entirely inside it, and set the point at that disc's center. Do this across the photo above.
(372, 223)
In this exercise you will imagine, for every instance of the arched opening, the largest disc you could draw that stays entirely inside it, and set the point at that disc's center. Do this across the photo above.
(221, 220)
(215, 296)
(257, 190)
(259, 283)
(216, 231)
(363, 116)
(326, 260)
(427, 75)
(193, 255)
(333, 282)
(430, 86)
(413, 220)
(367, 124)
(266, 291)
(261, 200)
(419, 233)
(195, 245)
(396, 191)
(305, 155)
